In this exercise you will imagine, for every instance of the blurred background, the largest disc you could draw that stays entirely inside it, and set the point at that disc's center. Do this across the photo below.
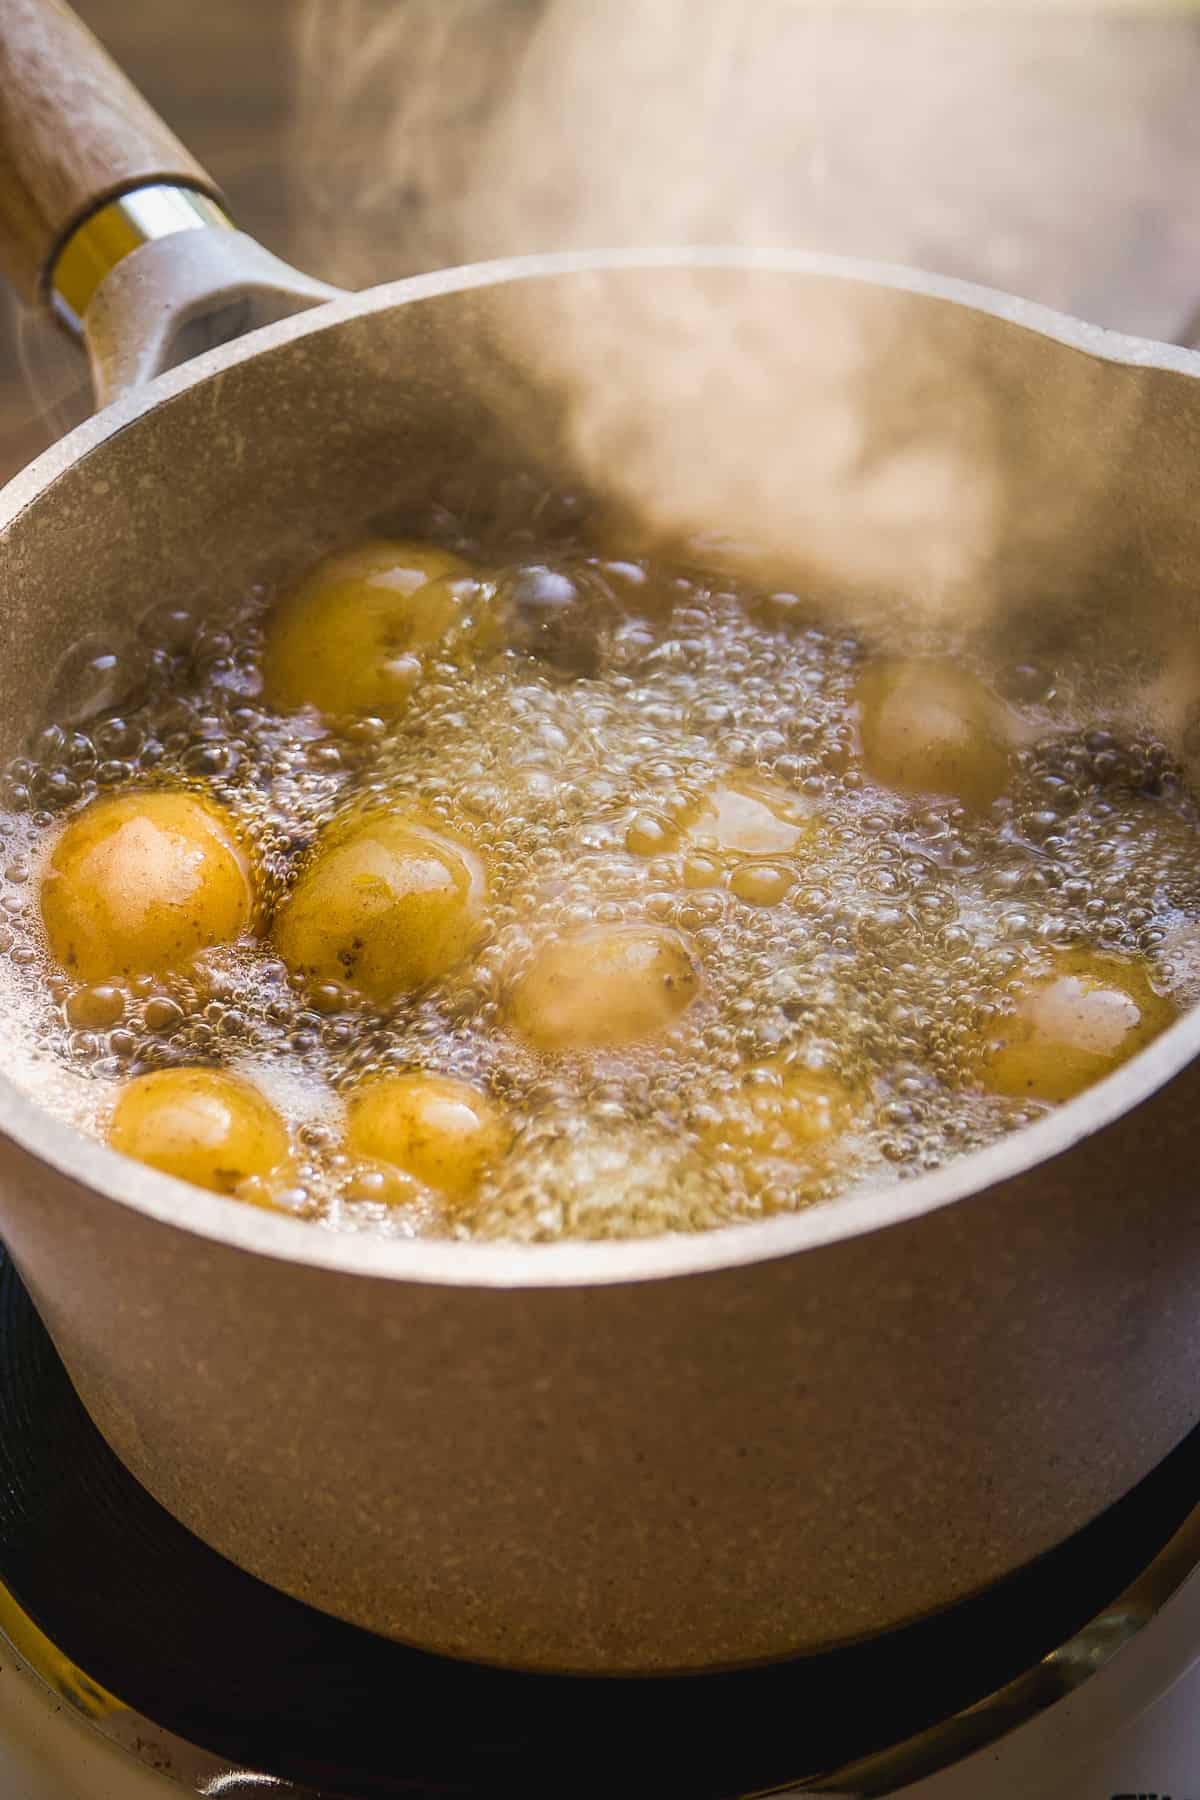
(1051, 150)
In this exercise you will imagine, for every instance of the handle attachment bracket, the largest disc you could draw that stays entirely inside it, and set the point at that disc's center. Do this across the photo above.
(160, 274)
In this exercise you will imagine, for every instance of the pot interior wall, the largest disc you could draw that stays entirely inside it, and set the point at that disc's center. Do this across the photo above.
(749, 405)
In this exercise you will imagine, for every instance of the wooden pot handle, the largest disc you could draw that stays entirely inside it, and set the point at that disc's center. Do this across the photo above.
(74, 133)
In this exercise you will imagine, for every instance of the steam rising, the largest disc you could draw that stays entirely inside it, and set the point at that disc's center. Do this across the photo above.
(1044, 149)
(858, 443)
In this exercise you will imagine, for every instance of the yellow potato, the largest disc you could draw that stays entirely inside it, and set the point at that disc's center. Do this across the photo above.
(749, 818)
(608, 985)
(383, 905)
(202, 1125)
(928, 727)
(1072, 1026)
(138, 882)
(443, 1132)
(350, 636)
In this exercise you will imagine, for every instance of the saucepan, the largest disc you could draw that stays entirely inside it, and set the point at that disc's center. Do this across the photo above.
(682, 1452)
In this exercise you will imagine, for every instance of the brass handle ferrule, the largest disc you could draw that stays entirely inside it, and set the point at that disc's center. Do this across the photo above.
(109, 234)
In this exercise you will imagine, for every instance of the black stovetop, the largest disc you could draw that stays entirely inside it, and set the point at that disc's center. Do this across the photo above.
(209, 1653)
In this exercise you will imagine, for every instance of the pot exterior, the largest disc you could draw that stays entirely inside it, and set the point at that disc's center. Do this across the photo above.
(672, 1474)
(697, 1469)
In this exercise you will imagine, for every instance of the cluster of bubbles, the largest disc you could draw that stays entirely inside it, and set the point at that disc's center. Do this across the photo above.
(877, 949)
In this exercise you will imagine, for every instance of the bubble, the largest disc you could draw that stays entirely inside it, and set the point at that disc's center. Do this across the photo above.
(168, 625)
(1027, 684)
(162, 1015)
(94, 676)
(96, 1008)
(209, 759)
(761, 884)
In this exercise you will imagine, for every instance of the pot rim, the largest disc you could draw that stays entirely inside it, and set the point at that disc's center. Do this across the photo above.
(581, 1264)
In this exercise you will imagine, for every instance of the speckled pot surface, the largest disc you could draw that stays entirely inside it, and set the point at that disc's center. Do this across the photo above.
(670, 1454)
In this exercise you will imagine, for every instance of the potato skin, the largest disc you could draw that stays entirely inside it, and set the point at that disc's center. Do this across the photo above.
(138, 882)
(442, 1131)
(608, 985)
(384, 905)
(929, 727)
(202, 1125)
(1073, 1026)
(349, 636)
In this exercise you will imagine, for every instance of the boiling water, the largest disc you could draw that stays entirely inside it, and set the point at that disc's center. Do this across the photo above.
(893, 935)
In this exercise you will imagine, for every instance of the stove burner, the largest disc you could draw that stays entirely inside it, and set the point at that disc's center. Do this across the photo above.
(222, 1661)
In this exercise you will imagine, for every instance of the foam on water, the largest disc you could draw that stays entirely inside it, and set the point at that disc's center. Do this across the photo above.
(563, 759)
